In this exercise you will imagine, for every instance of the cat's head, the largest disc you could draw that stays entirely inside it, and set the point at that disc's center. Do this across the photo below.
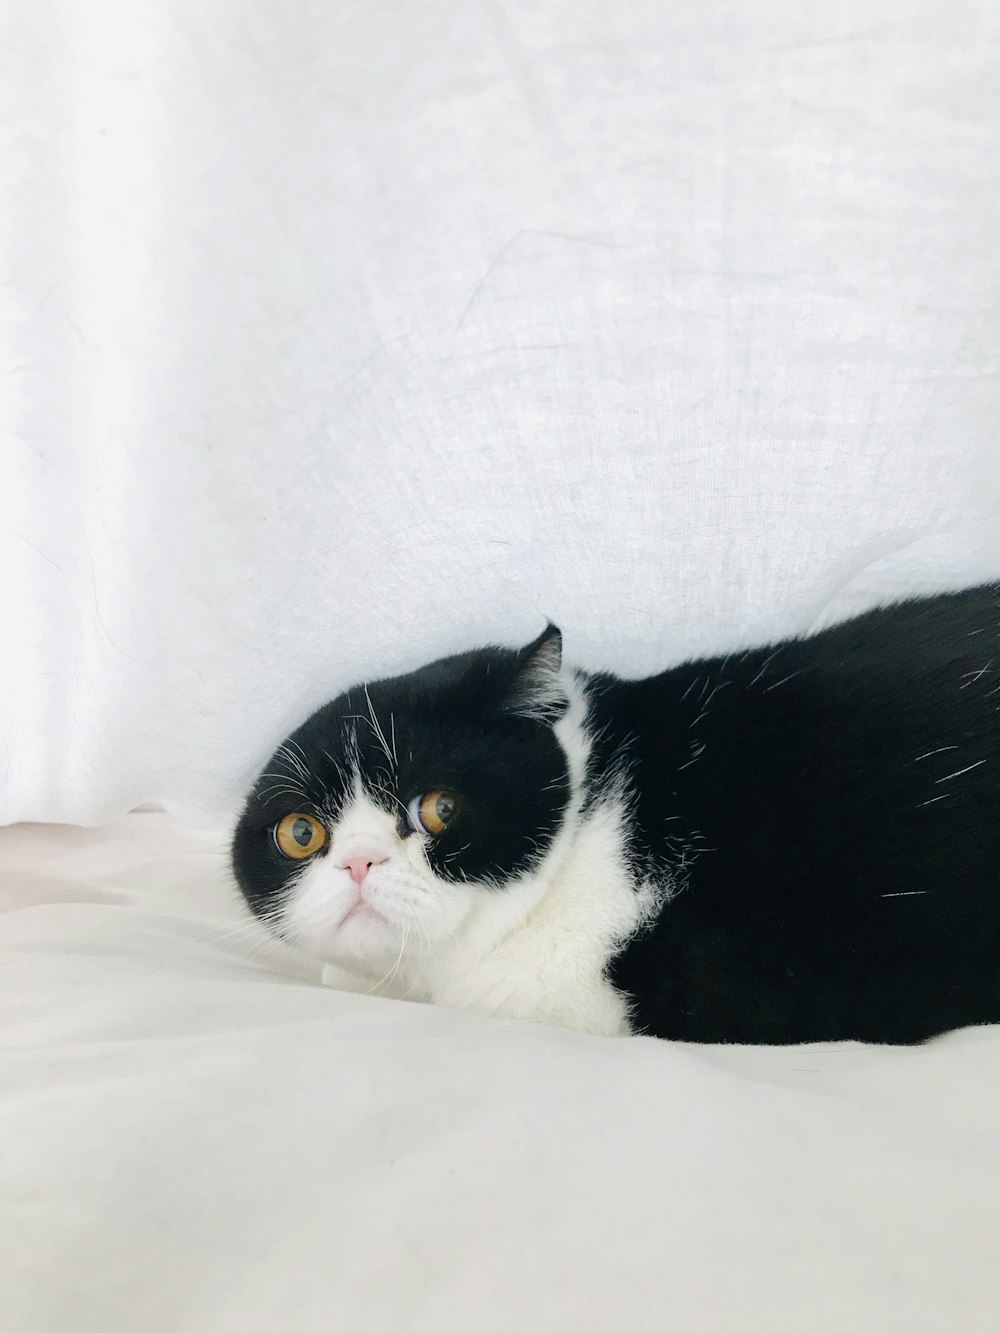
(398, 811)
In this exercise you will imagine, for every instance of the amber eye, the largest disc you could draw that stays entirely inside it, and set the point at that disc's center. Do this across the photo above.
(433, 811)
(299, 836)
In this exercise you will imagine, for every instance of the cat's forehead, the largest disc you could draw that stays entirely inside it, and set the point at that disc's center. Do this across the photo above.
(448, 696)
(474, 681)
(377, 736)
(363, 811)
(456, 717)
(384, 746)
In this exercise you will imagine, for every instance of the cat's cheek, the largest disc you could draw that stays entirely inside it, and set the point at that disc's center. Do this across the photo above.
(442, 904)
(413, 851)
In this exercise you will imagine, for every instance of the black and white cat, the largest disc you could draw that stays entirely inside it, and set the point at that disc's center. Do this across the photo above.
(794, 843)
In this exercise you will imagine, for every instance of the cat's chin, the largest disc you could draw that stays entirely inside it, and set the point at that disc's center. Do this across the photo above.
(363, 940)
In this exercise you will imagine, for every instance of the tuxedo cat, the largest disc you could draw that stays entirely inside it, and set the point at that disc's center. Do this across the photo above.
(799, 842)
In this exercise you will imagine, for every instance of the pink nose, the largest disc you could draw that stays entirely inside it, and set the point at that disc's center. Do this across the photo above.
(360, 863)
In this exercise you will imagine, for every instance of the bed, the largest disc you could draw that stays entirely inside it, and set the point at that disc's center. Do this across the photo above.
(199, 1134)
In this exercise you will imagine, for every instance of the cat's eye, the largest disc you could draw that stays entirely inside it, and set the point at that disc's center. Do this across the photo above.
(434, 811)
(299, 836)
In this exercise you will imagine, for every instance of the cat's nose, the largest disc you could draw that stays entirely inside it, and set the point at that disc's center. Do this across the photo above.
(359, 864)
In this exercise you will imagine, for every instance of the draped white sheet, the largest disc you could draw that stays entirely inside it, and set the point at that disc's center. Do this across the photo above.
(192, 1141)
(337, 335)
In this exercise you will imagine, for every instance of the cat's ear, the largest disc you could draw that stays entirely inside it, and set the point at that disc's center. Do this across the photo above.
(536, 690)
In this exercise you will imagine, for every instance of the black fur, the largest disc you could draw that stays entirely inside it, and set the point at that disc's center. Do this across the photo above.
(454, 724)
(840, 872)
(826, 812)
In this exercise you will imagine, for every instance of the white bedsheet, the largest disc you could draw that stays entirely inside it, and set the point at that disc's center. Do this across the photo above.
(197, 1138)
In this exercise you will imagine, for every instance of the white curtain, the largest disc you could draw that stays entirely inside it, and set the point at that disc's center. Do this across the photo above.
(336, 335)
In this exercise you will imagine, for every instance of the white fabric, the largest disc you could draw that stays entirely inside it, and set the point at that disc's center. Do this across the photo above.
(193, 1142)
(338, 335)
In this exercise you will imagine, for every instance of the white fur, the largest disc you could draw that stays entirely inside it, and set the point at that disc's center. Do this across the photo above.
(534, 949)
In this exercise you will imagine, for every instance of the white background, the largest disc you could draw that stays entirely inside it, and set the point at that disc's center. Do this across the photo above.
(338, 335)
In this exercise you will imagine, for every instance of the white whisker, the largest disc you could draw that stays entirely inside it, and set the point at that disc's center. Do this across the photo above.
(387, 979)
(721, 686)
(299, 766)
(767, 663)
(278, 777)
(376, 727)
(305, 759)
(958, 772)
(928, 754)
(391, 796)
(784, 681)
(271, 793)
(694, 682)
(971, 677)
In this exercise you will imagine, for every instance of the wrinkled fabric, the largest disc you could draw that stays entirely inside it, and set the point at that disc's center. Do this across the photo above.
(198, 1137)
(339, 335)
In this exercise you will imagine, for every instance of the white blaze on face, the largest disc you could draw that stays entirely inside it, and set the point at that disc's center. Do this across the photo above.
(399, 899)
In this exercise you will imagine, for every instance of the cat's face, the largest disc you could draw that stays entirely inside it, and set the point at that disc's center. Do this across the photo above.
(398, 810)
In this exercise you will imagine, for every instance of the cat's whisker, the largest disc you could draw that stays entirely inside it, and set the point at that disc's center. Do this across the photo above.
(254, 929)
(301, 760)
(272, 792)
(424, 939)
(299, 767)
(376, 727)
(283, 780)
(387, 979)
(391, 795)
(281, 776)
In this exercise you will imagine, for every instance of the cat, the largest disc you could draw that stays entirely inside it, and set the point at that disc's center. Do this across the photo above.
(796, 843)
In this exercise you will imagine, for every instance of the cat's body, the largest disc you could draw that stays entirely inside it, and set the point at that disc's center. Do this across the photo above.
(794, 843)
